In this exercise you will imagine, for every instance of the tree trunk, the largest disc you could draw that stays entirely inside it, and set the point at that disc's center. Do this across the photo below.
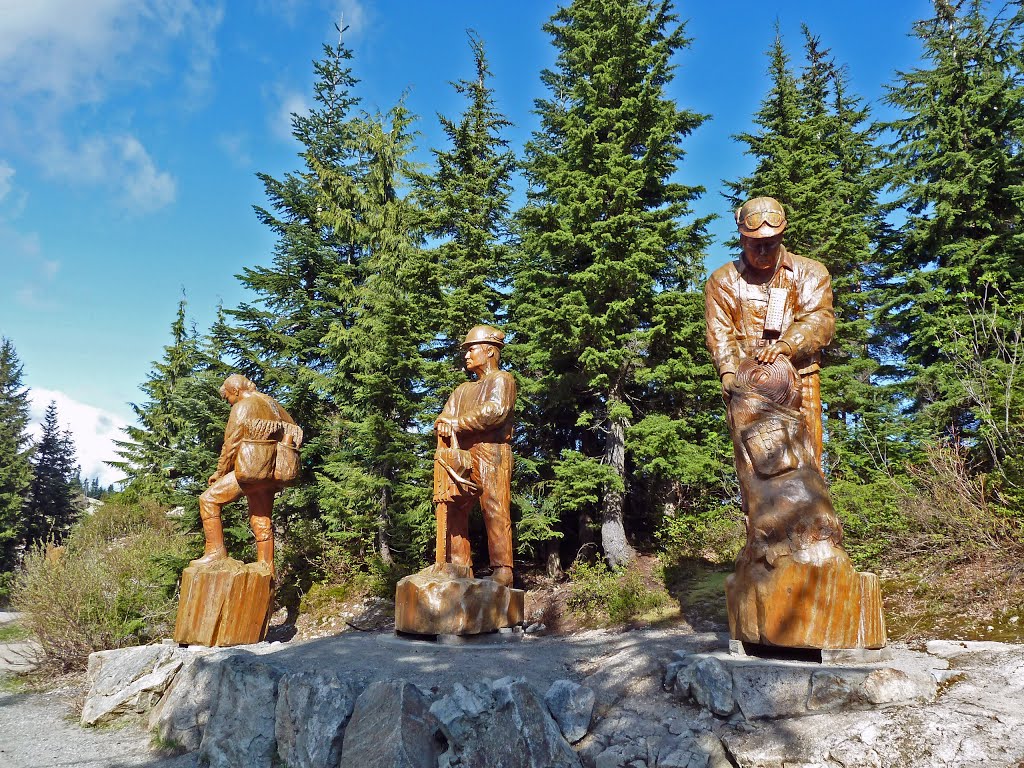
(383, 537)
(554, 559)
(617, 550)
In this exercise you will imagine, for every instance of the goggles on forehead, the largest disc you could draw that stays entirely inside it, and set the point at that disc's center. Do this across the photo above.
(756, 219)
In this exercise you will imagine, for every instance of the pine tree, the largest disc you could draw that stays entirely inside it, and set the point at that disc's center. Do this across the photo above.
(171, 451)
(51, 507)
(959, 169)
(602, 235)
(467, 200)
(816, 153)
(15, 467)
(368, 483)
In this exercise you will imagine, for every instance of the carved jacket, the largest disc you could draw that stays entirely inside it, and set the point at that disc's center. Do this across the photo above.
(254, 405)
(735, 308)
(484, 409)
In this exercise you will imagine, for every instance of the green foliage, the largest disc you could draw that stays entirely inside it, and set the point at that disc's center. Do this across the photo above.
(959, 171)
(602, 237)
(52, 502)
(172, 450)
(615, 596)
(715, 536)
(873, 518)
(111, 585)
(15, 467)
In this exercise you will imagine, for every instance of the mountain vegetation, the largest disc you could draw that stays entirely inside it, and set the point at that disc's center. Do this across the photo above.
(383, 261)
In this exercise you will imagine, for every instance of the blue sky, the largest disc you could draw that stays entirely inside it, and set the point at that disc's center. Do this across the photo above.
(131, 132)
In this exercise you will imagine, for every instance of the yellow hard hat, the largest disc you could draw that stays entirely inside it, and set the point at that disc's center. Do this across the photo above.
(484, 334)
(761, 217)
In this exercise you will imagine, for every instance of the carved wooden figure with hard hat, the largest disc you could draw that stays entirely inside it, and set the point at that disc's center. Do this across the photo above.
(474, 457)
(768, 303)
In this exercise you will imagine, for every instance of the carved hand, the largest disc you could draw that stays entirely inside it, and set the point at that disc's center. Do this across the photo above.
(728, 379)
(769, 354)
(446, 426)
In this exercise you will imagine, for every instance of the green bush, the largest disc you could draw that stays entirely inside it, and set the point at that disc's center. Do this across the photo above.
(111, 585)
(611, 596)
(872, 517)
(712, 536)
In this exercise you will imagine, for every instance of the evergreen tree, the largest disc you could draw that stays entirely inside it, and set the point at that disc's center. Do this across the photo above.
(374, 478)
(816, 153)
(603, 234)
(959, 168)
(467, 200)
(15, 467)
(171, 451)
(51, 507)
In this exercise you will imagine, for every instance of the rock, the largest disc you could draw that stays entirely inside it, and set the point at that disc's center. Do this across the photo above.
(313, 709)
(501, 725)
(240, 731)
(436, 602)
(181, 716)
(224, 603)
(894, 686)
(572, 706)
(683, 685)
(711, 686)
(391, 727)
(831, 690)
(620, 755)
(765, 690)
(128, 680)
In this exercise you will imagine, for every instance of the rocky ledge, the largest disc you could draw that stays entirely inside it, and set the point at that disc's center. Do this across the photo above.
(943, 704)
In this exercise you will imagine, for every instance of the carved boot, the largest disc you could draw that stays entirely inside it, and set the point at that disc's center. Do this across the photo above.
(265, 553)
(214, 542)
(501, 574)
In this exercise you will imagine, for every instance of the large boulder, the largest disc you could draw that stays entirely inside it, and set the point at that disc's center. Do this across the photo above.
(180, 718)
(391, 727)
(503, 724)
(572, 706)
(313, 709)
(241, 728)
(128, 680)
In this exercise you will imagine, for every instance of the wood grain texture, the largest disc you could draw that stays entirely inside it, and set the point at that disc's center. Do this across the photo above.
(224, 603)
(821, 602)
(439, 601)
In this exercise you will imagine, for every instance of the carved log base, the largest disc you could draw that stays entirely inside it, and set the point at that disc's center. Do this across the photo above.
(824, 603)
(447, 600)
(224, 603)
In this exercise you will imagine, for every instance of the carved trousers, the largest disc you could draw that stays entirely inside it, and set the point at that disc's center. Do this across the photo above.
(259, 498)
(492, 474)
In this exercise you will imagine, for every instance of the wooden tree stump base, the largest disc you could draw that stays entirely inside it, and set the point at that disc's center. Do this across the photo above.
(447, 600)
(815, 602)
(224, 603)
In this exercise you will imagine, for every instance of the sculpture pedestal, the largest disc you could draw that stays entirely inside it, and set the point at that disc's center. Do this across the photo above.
(447, 600)
(224, 603)
(803, 602)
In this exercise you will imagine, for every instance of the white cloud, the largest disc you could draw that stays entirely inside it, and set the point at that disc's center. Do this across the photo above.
(6, 175)
(62, 60)
(236, 147)
(289, 103)
(119, 162)
(352, 14)
(93, 429)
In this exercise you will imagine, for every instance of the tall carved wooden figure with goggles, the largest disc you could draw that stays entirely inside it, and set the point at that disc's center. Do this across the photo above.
(768, 303)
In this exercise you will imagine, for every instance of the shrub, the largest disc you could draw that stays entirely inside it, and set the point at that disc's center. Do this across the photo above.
(712, 536)
(615, 596)
(111, 585)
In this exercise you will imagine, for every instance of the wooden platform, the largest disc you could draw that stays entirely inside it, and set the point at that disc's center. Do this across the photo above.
(823, 604)
(224, 603)
(441, 601)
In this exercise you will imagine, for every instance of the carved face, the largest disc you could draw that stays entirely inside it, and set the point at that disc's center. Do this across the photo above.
(761, 253)
(477, 356)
